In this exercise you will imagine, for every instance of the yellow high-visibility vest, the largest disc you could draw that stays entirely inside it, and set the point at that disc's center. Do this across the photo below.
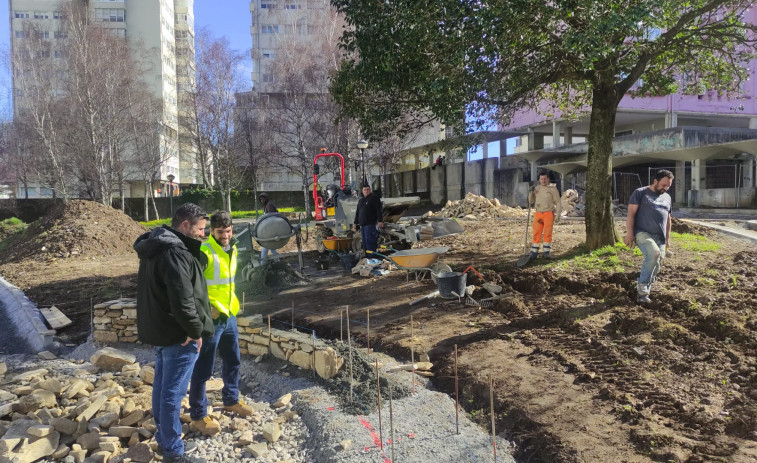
(220, 277)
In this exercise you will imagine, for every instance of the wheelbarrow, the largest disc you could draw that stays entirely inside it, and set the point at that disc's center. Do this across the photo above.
(419, 261)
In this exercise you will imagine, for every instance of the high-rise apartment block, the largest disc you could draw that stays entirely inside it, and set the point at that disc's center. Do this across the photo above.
(161, 34)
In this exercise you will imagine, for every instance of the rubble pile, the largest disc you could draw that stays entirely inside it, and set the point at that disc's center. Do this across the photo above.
(101, 411)
(574, 205)
(475, 207)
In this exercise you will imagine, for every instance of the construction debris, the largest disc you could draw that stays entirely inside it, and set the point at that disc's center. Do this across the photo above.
(474, 207)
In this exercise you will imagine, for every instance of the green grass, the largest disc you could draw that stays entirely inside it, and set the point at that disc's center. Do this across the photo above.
(11, 226)
(234, 215)
(604, 258)
(696, 243)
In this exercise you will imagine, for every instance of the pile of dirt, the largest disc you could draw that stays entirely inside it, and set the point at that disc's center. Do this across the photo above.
(479, 207)
(679, 226)
(76, 228)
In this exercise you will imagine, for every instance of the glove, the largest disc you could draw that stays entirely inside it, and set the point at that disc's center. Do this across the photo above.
(557, 218)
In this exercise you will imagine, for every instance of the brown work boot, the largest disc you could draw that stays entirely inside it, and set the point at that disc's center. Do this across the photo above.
(240, 408)
(208, 426)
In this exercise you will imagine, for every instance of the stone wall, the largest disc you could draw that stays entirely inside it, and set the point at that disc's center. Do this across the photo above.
(116, 321)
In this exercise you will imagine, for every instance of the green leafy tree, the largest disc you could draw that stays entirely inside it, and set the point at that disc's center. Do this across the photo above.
(408, 60)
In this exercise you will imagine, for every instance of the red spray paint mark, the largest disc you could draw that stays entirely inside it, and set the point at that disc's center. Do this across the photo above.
(331, 409)
(374, 436)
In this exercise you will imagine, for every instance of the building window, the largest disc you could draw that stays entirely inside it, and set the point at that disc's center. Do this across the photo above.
(268, 78)
(269, 54)
(20, 34)
(58, 15)
(181, 18)
(269, 29)
(21, 14)
(114, 15)
(269, 6)
(43, 35)
(60, 35)
(292, 6)
(38, 15)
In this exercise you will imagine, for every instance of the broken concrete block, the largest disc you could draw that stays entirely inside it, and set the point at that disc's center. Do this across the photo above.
(111, 359)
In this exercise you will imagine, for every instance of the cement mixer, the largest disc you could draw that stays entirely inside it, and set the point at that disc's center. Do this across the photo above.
(273, 231)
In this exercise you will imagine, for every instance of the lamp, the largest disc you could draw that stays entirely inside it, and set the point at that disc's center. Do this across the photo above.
(362, 145)
(170, 178)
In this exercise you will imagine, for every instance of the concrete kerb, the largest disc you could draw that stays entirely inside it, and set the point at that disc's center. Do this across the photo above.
(743, 234)
(26, 317)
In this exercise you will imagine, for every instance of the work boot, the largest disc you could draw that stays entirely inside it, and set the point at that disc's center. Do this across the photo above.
(208, 426)
(189, 447)
(532, 255)
(184, 459)
(545, 254)
(643, 299)
(240, 408)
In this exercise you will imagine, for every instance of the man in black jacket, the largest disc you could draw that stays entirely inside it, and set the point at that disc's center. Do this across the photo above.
(368, 217)
(173, 314)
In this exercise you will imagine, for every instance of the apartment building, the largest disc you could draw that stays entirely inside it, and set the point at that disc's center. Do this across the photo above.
(160, 32)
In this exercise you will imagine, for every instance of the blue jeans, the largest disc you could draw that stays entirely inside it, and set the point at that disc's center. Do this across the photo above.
(653, 249)
(173, 367)
(369, 235)
(264, 253)
(225, 340)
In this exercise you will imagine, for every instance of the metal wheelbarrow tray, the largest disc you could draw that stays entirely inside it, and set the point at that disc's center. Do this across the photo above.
(416, 260)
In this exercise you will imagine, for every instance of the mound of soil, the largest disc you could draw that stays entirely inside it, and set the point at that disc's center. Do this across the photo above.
(77, 228)
(679, 226)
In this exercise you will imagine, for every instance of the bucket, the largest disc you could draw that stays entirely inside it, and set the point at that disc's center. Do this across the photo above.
(449, 282)
(348, 261)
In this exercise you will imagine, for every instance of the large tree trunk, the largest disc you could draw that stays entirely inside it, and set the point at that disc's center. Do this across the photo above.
(600, 228)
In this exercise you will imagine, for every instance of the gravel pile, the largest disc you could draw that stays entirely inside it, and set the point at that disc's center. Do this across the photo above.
(321, 425)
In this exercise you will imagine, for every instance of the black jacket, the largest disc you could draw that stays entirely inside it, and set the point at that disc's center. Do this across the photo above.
(172, 296)
(369, 210)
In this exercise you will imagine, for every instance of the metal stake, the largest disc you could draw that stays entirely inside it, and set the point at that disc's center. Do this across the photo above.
(491, 401)
(313, 353)
(292, 315)
(378, 392)
(391, 421)
(349, 346)
(457, 397)
(341, 325)
(242, 301)
(369, 331)
(412, 353)
(270, 336)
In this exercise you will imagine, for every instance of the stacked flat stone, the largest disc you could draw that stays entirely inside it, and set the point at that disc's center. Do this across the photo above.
(474, 207)
(297, 348)
(115, 321)
(101, 411)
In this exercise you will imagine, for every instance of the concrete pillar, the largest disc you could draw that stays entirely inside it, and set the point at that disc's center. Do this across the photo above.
(535, 140)
(747, 172)
(534, 172)
(555, 133)
(485, 149)
(417, 160)
(568, 135)
(753, 122)
(698, 168)
(671, 119)
(680, 182)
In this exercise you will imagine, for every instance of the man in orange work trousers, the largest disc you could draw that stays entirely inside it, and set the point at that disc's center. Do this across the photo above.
(546, 198)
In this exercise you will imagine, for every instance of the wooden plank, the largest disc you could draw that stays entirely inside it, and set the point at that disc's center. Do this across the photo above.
(55, 318)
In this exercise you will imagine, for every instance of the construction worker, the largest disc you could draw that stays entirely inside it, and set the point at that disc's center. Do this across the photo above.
(546, 199)
(221, 250)
(649, 224)
(268, 208)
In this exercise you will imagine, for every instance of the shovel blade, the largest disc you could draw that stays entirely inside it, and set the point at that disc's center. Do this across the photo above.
(523, 260)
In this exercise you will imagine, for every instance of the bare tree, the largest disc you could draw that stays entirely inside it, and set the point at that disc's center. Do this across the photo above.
(302, 114)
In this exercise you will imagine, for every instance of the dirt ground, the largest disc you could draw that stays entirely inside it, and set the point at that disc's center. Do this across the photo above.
(581, 372)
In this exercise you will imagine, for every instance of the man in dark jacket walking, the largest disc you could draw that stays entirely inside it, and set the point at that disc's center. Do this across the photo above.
(368, 217)
(173, 314)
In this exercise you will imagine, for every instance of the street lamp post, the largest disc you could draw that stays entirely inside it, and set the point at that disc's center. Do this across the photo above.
(362, 145)
(170, 178)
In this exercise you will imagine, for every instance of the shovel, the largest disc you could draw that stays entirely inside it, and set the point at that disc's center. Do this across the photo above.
(527, 255)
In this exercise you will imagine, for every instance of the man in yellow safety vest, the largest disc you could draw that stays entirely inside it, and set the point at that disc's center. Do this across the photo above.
(221, 250)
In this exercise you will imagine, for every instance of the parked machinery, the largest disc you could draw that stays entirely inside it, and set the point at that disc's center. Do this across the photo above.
(335, 213)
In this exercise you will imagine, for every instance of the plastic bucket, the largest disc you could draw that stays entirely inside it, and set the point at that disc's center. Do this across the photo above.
(449, 282)
(348, 261)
